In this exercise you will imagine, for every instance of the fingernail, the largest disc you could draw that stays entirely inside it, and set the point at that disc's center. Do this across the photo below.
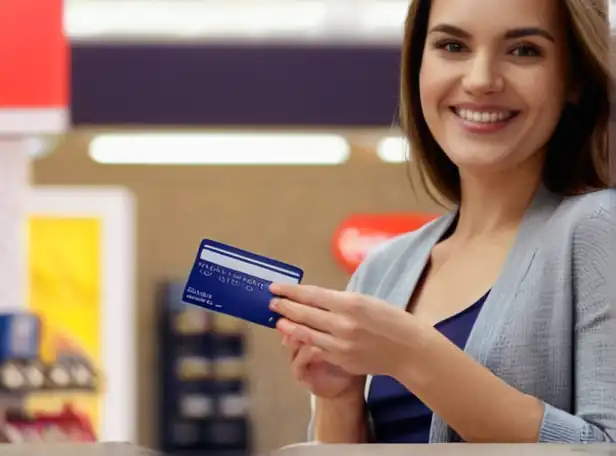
(274, 304)
(274, 288)
(286, 327)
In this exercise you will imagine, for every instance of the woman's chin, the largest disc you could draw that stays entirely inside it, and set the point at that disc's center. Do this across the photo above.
(484, 170)
(478, 164)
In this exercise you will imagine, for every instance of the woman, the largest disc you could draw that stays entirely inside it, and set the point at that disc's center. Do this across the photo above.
(493, 323)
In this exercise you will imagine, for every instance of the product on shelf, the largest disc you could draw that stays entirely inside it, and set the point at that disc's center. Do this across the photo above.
(66, 426)
(21, 368)
(203, 380)
(34, 373)
(230, 368)
(233, 405)
(58, 376)
(225, 324)
(22, 433)
(11, 376)
(19, 348)
(193, 368)
(185, 433)
(192, 321)
(71, 371)
(82, 375)
(196, 406)
(226, 432)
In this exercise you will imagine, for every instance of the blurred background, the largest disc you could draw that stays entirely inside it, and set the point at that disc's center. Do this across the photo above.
(132, 129)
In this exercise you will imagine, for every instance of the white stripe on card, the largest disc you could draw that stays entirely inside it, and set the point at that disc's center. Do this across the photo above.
(252, 260)
(247, 268)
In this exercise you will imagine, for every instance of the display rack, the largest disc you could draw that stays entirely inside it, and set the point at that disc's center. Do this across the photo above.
(203, 385)
(23, 372)
(66, 426)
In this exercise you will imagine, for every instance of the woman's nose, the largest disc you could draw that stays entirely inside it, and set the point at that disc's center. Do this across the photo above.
(483, 76)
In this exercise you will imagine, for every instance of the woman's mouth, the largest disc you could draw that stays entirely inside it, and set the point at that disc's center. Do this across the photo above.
(484, 121)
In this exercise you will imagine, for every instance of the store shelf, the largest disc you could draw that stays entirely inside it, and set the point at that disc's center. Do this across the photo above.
(204, 391)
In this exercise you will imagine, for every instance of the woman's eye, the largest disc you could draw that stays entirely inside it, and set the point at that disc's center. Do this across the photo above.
(453, 47)
(449, 46)
(526, 51)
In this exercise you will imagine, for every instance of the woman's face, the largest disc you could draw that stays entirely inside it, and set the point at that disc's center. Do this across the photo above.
(492, 80)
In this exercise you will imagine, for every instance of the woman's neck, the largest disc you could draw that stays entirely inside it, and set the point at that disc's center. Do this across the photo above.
(495, 204)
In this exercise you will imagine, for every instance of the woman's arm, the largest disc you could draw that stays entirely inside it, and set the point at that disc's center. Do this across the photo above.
(344, 419)
(479, 406)
(341, 420)
(482, 408)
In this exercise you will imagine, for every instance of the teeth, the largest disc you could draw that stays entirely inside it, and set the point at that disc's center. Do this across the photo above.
(483, 117)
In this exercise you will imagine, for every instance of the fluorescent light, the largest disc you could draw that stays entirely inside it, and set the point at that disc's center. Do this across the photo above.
(393, 149)
(219, 149)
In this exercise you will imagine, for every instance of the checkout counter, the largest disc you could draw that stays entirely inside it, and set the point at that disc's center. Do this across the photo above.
(125, 449)
(448, 449)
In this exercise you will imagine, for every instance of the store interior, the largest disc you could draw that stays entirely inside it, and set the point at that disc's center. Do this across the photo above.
(126, 142)
(131, 131)
(288, 212)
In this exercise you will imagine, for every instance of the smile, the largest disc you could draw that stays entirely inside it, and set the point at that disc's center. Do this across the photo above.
(484, 121)
(484, 116)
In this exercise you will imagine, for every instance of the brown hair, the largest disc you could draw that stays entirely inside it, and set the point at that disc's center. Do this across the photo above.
(577, 154)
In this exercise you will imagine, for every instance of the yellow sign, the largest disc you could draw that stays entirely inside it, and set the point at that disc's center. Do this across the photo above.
(65, 265)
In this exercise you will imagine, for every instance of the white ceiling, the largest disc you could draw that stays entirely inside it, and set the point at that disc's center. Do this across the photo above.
(372, 21)
(198, 20)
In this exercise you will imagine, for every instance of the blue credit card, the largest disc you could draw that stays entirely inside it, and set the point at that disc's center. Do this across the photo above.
(236, 282)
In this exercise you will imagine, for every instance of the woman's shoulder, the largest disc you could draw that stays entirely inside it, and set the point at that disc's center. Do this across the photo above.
(584, 225)
(588, 207)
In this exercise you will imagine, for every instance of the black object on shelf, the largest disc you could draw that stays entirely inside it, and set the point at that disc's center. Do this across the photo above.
(203, 388)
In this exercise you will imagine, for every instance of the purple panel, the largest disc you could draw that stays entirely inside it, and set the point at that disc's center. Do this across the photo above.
(233, 85)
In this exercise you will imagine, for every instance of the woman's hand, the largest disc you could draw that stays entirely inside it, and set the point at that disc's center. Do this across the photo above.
(321, 378)
(360, 334)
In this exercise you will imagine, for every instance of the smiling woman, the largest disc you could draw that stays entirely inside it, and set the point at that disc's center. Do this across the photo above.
(512, 77)
(495, 322)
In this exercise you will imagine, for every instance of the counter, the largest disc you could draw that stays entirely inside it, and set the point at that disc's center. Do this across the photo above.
(448, 450)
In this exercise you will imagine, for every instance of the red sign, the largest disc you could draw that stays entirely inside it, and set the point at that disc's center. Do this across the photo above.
(360, 234)
(34, 54)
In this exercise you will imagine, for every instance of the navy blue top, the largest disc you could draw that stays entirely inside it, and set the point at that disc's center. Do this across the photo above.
(398, 415)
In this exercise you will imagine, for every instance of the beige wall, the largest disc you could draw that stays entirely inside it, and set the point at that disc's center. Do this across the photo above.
(284, 212)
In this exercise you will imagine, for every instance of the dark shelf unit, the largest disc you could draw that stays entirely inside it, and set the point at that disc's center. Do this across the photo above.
(202, 382)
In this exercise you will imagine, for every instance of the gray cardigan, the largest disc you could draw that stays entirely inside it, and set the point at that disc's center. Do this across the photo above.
(548, 327)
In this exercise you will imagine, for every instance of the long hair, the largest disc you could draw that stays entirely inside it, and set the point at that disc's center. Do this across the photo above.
(577, 158)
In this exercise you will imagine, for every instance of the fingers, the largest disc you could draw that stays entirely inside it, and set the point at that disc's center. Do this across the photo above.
(288, 341)
(309, 295)
(301, 356)
(291, 345)
(305, 355)
(309, 336)
(314, 317)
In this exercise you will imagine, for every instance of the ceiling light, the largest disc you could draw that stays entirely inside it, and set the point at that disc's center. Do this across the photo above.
(219, 149)
(394, 149)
